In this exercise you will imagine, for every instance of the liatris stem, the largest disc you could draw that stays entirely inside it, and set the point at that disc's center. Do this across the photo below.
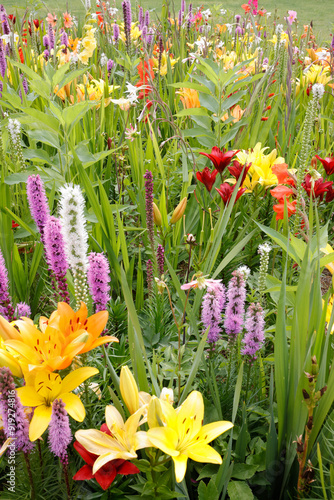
(149, 207)
(98, 278)
(212, 308)
(38, 202)
(27, 461)
(254, 337)
(60, 434)
(15, 422)
(318, 91)
(56, 257)
(160, 259)
(6, 307)
(264, 251)
(73, 225)
(235, 309)
(126, 5)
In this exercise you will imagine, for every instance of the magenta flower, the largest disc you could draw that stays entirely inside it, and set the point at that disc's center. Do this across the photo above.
(292, 16)
(6, 308)
(201, 282)
(98, 276)
(60, 434)
(235, 309)
(38, 202)
(56, 256)
(160, 259)
(22, 310)
(212, 308)
(254, 337)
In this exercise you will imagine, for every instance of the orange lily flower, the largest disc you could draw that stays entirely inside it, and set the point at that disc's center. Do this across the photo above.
(279, 209)
(281, 192)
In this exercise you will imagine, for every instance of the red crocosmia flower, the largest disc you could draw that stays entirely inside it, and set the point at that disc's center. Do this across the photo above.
(279, 209)
(318, 188)
(226, 192)
(14, 224)
(327, 163)
(236, 170)
(107, 473)
(36, 23)
(281, 192)
(220, 158)
(21, 55)
(282, 174)
(246, 8)
(148, 104)
(12, 18)
(330, 194)
(207, 177)
(145, 73)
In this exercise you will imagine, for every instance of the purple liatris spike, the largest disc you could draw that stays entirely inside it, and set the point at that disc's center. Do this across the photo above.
(140, 17)
(147, 18)
(212, 308)
(60, 434)
(6, 308)
(15, 422)
(22, 309)
(64, 38)
(46, 41)
(183, 6)
(38, 202)
(126, 5)
(98, 276)
(25, 85)
(3, 62)
(235, 308)
(254, 337)
(5, 23)
(51, 37)
(160, 259)
(110, 65)
(180, 18)
(149, 273)
(56, 256)
(149, 206)
(116, 32)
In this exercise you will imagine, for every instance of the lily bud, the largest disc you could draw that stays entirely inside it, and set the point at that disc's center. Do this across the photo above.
(157, 215)
(179, 211)
(129, 390)
(154, 413)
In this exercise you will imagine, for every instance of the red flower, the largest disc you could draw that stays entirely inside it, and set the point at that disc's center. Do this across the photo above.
(246, 7)
(207, 178)
(21, 55)
(282, 174)
(279, 209)
(36, 23)
(145, 73)
(327, 163)
(236, 170)
(107, 473)
(12, 18)
(14, 224)
(220, 158)
(318, 188)
(330, 194)
(281, 192)
(226, 191)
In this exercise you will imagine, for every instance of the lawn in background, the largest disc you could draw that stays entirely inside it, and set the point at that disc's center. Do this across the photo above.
(319, 12)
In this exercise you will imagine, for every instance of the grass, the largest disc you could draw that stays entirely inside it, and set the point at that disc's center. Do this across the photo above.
(308, 10)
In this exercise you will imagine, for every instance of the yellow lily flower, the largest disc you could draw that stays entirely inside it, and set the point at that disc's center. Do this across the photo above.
(163, 65)
(44, 388)
(184, 437)
(9, 360)
(327, 251)
(123, 442)
(5, 446)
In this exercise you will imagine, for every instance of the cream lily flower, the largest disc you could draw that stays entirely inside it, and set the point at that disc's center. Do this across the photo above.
(123, 442)
(184, 437)
(44, 387)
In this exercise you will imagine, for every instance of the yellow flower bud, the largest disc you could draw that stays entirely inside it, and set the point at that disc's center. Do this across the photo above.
(157, 215)
(129, 390)
(154, 413)
(179, 211)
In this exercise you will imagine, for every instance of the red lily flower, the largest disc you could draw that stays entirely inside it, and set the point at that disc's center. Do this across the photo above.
(226, 191)
(106, 474)
(330, 194)
(327, 163)
(145, 73)
(236, 170)
(220, 158)
(12, 18)
(207, 178)
(282, 174)
(36, 23)
(318, 188)
(279, 209)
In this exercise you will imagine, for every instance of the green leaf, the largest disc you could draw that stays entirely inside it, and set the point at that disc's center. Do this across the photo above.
(190, 85)
(239, 490)
(209, 491)
(192, 112)
(44, 136)
(244, 471)
(73, 114)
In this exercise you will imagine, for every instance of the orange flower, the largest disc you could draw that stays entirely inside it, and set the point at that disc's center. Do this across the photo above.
(68, 21)
(73, 44)
(52, 19)
(246, 7)
(281, 192)
(262, 12)
(279, 209)
(189, 98)
(236, 112)
(282, 174)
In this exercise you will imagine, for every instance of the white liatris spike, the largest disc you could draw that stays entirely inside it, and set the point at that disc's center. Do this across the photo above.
(75, 236)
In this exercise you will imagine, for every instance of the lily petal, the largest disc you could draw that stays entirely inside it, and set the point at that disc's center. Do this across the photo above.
(103, 459)
(39, 421)
(204, 453)
(98, 442)
(209, 432)
(180, 464)
(7, 331)
(165, 439)
(29, 396)
(77, 377)
(73, 406)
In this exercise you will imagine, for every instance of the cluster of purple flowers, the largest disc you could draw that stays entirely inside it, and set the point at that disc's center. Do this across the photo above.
(160, 259)
(254, 326)
(149, 206)
(9, 400)
(60, 434)
(98, 279)
(235, 308)
(126, 6)
(6, 308)
(212, 309)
